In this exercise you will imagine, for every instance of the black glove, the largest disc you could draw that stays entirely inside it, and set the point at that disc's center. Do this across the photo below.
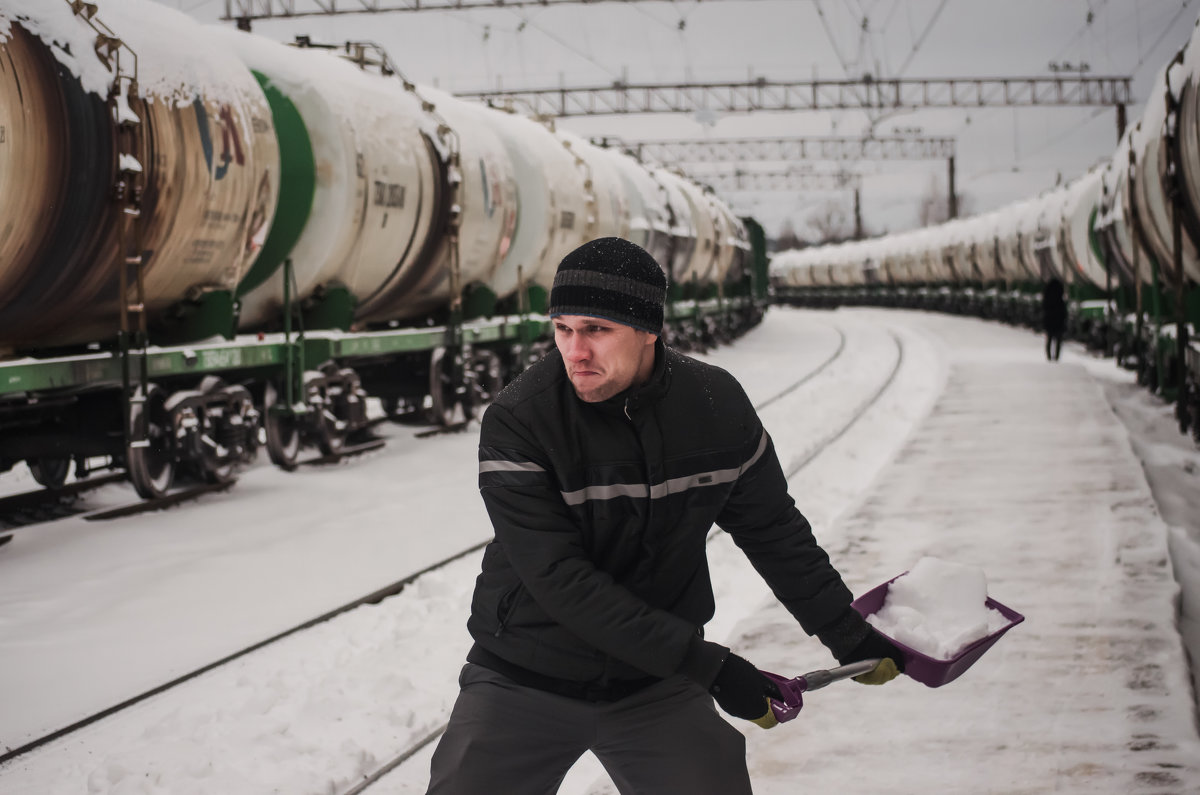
(742, 690)
(875, 645)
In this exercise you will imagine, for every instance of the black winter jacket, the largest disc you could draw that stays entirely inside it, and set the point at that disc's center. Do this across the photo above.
(598, 571)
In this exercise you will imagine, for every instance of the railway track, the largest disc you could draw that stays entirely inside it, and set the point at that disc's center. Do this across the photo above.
(49, 504)
(29, 509)
(424, 735)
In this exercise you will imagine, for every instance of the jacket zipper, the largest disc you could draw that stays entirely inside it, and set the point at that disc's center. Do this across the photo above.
(505, 608)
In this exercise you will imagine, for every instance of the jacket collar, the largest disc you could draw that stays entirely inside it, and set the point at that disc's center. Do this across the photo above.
(637, 397)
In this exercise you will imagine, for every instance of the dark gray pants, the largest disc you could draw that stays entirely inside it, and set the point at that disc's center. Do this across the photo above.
(504, 737)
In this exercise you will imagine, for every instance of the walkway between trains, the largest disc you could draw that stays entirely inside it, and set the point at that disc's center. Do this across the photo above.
(1021, 468)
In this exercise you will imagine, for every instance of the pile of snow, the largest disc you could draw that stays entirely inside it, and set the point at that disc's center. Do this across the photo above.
(938, 609)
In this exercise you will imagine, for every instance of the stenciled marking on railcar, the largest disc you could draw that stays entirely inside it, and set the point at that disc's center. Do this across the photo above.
(203, 251)
(388, 194)
(567, 221)
(219, 358)
(218, 217)
(3, 135)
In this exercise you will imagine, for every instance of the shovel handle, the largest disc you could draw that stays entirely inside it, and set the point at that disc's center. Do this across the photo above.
(815, 680)
(793, 689)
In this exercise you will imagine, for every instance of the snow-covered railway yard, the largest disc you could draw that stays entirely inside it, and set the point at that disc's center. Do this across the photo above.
(977, 451)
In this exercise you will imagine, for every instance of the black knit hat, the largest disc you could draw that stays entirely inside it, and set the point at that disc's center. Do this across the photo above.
(613, 279)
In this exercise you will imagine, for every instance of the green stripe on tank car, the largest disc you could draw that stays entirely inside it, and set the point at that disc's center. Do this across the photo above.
(1093, 238)
(297, 182)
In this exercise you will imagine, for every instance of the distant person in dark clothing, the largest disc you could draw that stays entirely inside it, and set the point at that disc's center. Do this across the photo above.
(1054, 317)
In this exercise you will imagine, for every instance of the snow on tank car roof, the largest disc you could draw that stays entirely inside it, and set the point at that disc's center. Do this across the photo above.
(349, 91)
(176, 58)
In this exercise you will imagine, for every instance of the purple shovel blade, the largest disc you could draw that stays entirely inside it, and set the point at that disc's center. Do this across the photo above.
(931, 671)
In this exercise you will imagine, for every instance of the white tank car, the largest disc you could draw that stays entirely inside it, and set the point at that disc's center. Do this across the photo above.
(205, 153)
(649, 216)
(1008, 242)
(894, 263)
(683, 226)
(1189, 127)
(955, 251)
(1027, 236)
(374, 199)
(1148, 185)
(609, 216)
(486, 205)
(725, 240)
(983, 249)
(552, 204)
(1118, 212)
(1078, 211)
(1047, 244)
(703, 262)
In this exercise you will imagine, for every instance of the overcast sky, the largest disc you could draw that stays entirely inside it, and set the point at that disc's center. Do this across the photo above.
(1003, 154)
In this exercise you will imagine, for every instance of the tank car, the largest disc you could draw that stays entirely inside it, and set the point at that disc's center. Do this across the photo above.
(213, 241)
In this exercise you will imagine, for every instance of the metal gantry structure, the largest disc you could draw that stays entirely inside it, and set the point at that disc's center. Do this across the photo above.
(811, 147)
(778, 179)
(762, 94)
(682, 153)
(244, 12)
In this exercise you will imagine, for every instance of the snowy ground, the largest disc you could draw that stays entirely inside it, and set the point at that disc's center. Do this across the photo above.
(979, 452)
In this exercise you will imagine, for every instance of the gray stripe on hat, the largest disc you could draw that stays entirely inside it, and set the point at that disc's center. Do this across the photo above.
(609, 281)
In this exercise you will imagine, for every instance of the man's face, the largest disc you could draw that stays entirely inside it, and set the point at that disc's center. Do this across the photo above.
(603, 357)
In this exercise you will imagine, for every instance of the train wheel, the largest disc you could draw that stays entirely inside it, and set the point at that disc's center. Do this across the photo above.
(149, 459)
(50, 472)
(283, 435)
(487, 379)
(324, 398)
(215, 461)
(243, 425)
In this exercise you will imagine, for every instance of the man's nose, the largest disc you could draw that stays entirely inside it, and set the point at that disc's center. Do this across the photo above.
(577, 349)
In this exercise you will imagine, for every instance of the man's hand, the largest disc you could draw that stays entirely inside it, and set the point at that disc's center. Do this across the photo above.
(742, 690)
(891, 661)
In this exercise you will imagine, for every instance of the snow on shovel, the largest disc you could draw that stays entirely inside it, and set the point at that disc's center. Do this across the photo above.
(939, 583)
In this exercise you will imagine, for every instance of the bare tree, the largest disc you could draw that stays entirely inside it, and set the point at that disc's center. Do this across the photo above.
(830, 223)
(787, 238)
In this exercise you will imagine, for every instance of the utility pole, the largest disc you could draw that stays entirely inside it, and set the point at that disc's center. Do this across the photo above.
(953, 199)
(858, 224)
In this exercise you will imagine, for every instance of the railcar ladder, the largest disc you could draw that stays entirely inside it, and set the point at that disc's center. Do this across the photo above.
(128, 185)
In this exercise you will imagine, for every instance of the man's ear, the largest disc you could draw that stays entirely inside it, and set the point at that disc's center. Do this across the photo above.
(651, 338)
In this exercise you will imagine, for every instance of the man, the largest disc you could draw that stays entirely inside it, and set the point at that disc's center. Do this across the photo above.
(1054, 317)
(603, 467)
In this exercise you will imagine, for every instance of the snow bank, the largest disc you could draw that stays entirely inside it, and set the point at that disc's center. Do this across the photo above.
(938, 609)
(1185, 561)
